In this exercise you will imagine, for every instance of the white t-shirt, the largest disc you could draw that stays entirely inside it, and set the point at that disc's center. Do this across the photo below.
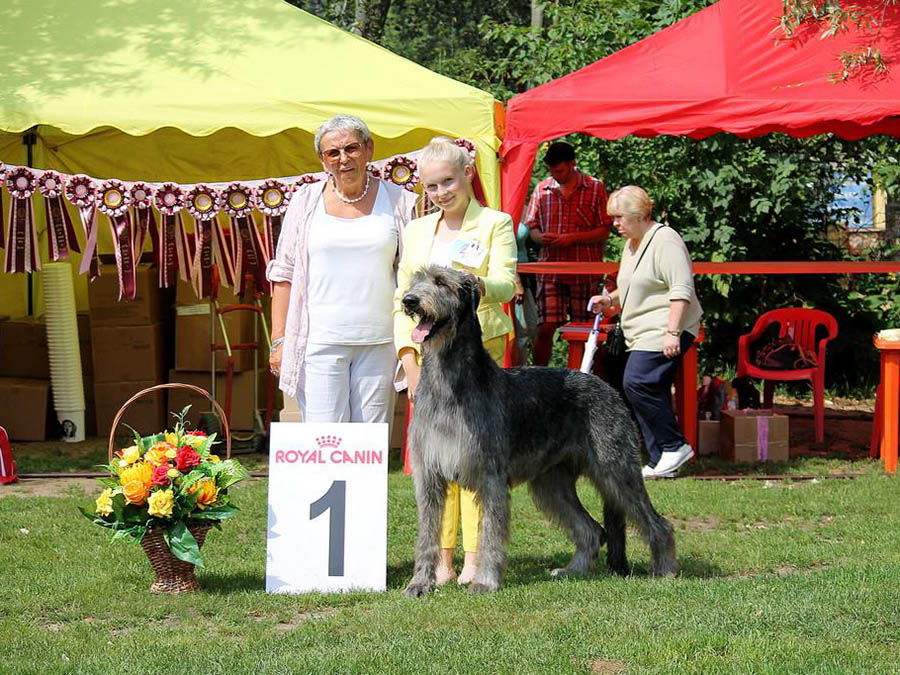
(351, 276)
(440, 252)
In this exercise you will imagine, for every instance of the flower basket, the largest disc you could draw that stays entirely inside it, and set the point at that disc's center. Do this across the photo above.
(166, 491)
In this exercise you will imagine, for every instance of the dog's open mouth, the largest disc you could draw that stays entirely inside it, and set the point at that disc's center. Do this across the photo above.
(421, 332)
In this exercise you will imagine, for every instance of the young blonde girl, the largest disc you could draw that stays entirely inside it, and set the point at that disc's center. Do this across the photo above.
(466, 236)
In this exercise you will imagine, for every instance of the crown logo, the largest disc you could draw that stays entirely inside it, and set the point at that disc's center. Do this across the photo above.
(328, 441)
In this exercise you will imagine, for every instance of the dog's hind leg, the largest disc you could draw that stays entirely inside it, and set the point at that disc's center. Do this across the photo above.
(554, 493)
(494, 498)
(614, 522)
(431, 492)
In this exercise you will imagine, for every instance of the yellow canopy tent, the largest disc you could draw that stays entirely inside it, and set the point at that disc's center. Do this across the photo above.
(207, 90)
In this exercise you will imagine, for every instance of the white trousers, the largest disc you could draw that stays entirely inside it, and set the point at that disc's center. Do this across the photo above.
(348, 383)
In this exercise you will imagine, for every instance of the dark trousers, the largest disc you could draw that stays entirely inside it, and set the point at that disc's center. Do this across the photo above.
(648, 383)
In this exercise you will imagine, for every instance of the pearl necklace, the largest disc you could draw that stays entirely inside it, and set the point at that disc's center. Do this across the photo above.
(348, 200)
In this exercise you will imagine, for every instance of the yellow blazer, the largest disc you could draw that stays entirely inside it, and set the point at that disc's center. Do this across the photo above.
(491, 229)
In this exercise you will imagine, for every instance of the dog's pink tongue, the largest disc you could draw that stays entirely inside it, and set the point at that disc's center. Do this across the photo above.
(421, 331)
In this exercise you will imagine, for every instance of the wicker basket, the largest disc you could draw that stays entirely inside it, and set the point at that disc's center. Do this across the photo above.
(172, 575)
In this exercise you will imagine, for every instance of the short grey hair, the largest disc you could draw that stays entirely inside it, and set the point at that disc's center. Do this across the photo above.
(343, 123)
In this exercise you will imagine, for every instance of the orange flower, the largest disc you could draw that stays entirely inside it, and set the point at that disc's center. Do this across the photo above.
(139, 471)
(207, 492)
(156, 455)
(135, 492)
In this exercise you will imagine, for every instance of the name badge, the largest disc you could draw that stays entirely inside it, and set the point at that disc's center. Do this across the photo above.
(467, 253)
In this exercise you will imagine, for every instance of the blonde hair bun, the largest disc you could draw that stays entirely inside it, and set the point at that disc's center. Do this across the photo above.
(445, 149)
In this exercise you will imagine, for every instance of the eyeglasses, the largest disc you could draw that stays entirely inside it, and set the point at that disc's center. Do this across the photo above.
(351, 150)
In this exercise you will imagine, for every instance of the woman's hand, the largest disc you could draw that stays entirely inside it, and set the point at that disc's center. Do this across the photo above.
(520, 291)
(412, 369)
(671, 346)
(599, 303)
(275, 360)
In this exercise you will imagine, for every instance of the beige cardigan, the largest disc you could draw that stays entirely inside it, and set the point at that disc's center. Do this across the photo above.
(664, 274)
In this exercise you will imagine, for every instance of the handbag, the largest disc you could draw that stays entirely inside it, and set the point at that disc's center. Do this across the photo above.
(615, 339)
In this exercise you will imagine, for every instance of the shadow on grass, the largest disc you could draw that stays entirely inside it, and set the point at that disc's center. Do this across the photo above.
(228, 583)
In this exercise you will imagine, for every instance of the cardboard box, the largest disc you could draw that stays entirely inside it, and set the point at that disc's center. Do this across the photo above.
(241, 414)
(128, 353)
(24, 408)
(84, 343)
(148, 307)
(193, 338)
(708, 438)
(147, 414)
(23, 349)
(754, 435)
(185, 294)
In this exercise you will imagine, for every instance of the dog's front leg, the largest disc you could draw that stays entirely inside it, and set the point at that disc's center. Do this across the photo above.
(431, 492)
(494, 498)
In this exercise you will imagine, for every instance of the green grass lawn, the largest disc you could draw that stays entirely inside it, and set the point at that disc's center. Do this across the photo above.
(776, 577)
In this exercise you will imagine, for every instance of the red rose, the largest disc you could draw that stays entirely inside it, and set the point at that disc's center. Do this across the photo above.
(159, 475)
(186, 458)
(195, 432)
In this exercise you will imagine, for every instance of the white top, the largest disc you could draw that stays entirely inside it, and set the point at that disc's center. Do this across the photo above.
(664, 274)
(441, 252)
(351, 276)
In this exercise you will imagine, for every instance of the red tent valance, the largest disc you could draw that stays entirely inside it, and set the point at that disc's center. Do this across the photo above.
(726, 68)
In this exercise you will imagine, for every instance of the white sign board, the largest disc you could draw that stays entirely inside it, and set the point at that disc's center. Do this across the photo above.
(327, 507)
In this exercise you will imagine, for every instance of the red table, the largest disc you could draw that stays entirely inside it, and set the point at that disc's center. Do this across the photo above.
(887, 404)
(576, 335)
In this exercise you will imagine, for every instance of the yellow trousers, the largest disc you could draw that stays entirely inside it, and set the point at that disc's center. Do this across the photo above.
(461, 502)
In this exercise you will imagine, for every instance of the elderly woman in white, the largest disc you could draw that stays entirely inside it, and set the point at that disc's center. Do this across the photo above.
(333, 280)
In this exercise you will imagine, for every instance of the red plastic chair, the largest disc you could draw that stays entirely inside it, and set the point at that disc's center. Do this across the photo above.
(801, 324)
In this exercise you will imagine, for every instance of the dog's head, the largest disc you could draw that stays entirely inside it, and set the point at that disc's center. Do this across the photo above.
(441, 299)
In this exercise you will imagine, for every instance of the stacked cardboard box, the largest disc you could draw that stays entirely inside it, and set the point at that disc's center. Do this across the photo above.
(128, 342)
(24, 379)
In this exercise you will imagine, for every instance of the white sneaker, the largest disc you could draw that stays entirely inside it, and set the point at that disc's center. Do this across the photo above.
(650, 472)
(672, 461)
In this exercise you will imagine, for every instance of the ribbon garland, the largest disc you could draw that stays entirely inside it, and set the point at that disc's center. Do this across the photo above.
(61, 235)
(243, 250)
(169, 200)
(21, 238)
(80, 192)
(249, 250)
(114, 200)
(203, 203)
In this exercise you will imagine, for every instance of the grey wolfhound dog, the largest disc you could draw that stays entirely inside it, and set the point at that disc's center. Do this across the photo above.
(489, 428)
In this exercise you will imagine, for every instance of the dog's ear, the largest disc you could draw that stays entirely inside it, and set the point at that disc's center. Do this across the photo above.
(474, 291)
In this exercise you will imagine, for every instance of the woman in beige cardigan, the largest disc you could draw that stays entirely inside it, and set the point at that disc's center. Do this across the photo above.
(466, 236)
(660, 319)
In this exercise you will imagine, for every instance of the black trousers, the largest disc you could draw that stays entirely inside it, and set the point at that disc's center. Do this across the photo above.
(647, 384)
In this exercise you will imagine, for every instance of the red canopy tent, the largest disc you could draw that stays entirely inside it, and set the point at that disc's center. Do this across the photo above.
(726, 68)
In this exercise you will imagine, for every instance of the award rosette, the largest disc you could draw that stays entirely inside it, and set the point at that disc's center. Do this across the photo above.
(144, 222)
(477, 188)
(374, 169)
(249, 249)
(174, 246)
(114, 200)
(272, 198)
(401, 171)
(60, 233)
(21, 238)
(203, 203)
(80, 191)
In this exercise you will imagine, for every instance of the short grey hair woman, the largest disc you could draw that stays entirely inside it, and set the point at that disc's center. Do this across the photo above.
(333, 282)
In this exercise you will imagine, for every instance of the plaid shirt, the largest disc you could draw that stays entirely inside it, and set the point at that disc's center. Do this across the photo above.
(582, 211)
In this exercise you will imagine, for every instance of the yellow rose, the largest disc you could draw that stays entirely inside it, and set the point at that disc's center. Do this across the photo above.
(131, 454)
(161, 503)
(156, 455)
(173, 473)
(170, 454)
(104, 503)
(135, 492)
(207, 492)
(171, 438)
(141, 472)
(193, 441)
(213, 459)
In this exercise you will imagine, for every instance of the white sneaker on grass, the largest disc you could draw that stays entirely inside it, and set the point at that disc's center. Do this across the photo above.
(649, 472)
(671, 461)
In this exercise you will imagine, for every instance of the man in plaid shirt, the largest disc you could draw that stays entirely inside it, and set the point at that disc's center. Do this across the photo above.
(567, 217)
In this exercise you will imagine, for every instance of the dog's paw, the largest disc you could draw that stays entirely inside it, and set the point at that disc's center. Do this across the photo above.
(417, 589)
(480, 587)
(567, 572)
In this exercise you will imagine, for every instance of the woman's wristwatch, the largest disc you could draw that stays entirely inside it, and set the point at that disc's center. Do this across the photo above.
(275, 345)
(674, 333)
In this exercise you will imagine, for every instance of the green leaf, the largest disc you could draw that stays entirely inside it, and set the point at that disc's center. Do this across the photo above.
(108, 482)
(133, 514)
(118, 504)
(222, 512)
(231, 472)
(182, 544)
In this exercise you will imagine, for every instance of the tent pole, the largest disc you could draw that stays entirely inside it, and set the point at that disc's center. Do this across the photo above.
(29, 139)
